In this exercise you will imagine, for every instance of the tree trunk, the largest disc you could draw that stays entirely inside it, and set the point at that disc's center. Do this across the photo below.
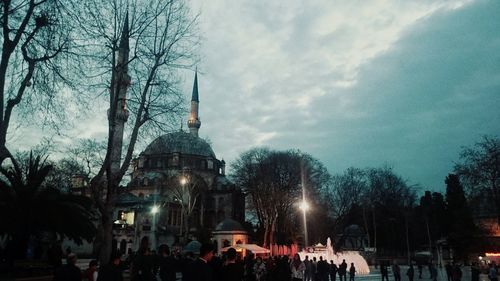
(271, 233)
(374, 229)
(365, 220)
(407, 238)
(266, 233)
(107, 234)
(428, 234)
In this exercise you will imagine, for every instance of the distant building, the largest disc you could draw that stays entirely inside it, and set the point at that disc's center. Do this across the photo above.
(484, 214)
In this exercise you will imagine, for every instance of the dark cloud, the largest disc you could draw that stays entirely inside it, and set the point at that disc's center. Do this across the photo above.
(435, 90)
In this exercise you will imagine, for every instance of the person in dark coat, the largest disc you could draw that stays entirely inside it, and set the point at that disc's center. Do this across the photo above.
(352, 272)
(69, 271)
(232, 271)
(343, 271)
(410, 272)
(111, 271)
(396, 271)
(249, 263)
(322, 269)
(143, 266)
(384, 272)
(456, 274)
(449, 270)
(185, 264)
(475, 271)
(167, 264)
(200, 270)
(333, 271)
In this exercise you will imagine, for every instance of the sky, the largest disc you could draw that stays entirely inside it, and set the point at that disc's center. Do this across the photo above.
(354, 83)
(404, 84)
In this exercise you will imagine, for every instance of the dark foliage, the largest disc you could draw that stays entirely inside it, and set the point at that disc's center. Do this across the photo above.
(28, 208)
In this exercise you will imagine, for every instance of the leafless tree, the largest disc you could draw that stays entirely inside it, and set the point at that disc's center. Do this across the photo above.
(35, 57)
(185, 190)
(479, 170)
(160, 38)
(273, 181)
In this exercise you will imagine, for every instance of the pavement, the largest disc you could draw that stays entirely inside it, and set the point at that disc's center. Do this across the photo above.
(374, 274)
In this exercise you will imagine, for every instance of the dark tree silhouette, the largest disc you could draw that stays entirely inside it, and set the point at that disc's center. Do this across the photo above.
(273, 181)
(461, 225)
(29, 209)
(479, 170)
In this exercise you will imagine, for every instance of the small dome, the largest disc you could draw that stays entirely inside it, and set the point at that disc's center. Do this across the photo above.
(229, 225)
(180, 142)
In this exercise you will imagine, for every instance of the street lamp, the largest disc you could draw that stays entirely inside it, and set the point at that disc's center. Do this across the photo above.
(183, 180)
(154, 210)
(304, 206)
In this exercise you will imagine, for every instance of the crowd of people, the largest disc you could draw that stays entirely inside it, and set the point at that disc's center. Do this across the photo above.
(146, 265)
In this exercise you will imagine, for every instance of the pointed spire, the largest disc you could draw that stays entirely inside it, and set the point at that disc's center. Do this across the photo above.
(125, 34)
(194, 122)
(195, 87)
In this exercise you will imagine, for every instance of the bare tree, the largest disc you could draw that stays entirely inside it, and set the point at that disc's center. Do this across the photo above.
(346, 190)
(138, 46)
(35, 55)
(273, 181)
(185, 191)
(479, 170)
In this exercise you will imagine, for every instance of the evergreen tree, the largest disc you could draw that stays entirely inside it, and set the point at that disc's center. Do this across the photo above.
(461, 224)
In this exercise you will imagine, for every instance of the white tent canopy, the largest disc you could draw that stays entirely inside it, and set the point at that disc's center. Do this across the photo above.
(249, 247)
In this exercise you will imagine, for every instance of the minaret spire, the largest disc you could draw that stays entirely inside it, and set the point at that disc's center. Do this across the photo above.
(120, 83)
(194, 122)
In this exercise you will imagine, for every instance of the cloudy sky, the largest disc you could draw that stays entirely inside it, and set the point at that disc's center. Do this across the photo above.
(354, 83)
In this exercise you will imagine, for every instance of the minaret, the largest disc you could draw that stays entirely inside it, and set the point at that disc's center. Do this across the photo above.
(194, 122)
(121, 81)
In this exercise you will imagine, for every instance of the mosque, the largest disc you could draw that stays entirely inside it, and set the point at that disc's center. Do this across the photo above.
(178, 191)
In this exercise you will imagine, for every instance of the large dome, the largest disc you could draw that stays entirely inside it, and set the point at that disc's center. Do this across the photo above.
(180, 142)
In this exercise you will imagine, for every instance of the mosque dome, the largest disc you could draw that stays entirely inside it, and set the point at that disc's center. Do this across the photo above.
(179, 142)
(229, 225)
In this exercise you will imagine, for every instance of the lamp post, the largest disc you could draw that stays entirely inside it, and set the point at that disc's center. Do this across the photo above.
(183, 181)
(304, 206)
(154, 210)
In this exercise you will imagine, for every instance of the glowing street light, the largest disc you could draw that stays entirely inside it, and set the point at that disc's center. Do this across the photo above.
(155, 209)
(304, 206)
(183, 180)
